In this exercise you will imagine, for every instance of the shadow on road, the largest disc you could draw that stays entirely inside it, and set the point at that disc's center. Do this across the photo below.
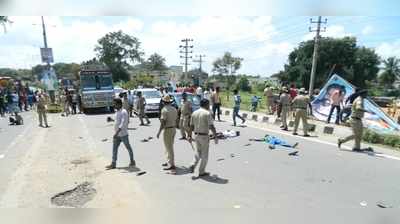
(129, 169)
(182, 170)
(213, 179)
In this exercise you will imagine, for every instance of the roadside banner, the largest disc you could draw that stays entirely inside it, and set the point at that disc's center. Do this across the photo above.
(377, 120)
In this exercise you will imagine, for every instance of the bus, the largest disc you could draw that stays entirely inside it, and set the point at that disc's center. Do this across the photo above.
(96, 89)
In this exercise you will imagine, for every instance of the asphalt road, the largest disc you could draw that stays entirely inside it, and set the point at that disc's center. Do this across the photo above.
(243, 177)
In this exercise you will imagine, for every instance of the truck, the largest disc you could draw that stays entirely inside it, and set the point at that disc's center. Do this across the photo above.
(96, 89)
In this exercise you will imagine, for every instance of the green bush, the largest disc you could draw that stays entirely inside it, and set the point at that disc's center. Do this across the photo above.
(375, 138)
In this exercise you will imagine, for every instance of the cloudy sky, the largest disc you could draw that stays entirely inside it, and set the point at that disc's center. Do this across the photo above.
(263, 41)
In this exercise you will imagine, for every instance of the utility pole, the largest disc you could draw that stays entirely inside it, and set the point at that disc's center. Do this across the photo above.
(200, 61)
(44, 33)
(185, 51)
(315, 54)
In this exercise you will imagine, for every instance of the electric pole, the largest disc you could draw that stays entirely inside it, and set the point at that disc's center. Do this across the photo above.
(315, 54)
(200, 61)
(186, 55)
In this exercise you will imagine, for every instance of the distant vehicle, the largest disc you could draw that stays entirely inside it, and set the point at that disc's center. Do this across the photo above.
(177, 97)
(117, 91)
(153, 98)
(96, 88)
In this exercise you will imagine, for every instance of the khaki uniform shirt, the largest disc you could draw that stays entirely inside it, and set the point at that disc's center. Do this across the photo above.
(141, 103)
(41, 103)
(169, 114)
(186, 109)
(268, 92)
(358, 108)
(201, 120)
(285, 100)
(301, 102)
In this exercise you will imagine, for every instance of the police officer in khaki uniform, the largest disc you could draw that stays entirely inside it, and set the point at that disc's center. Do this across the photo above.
(168, 119)
(300, 103)
(201, 123)
(141, 103)
(269, 101)
(41, 109)
(185, 112)
(284, 100)
(358, 111)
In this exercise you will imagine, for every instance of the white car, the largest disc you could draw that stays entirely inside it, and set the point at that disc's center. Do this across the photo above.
(153, 98)
(117, 91)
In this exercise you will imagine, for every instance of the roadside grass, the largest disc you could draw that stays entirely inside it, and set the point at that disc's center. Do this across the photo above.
(246, 100)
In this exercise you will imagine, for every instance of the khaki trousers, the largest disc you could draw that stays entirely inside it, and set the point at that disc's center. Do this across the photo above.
(201, 152)
(301, 114)
(169, 139)
(184, 126)
(357, 127)
(42, 116)
(284, 116)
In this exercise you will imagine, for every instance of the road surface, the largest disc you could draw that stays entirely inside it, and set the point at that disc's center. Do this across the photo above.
(245, 176)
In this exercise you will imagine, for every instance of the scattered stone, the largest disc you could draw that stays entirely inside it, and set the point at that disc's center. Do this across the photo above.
(248, 144)
(236, 206)
(295, 153)
(221, 159)
(363, 203)
(79, 161)
(150, 138)
(232, 155)
(104, 140)
(144, 140)
(141, 173)
(383, 205)
(76, 197)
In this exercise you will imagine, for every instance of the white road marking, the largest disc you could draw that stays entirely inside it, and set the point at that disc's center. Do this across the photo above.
(382, 155)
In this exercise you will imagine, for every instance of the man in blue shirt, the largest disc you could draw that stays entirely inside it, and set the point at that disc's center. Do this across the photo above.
(254, 103)
(273, 141)
(236, 107)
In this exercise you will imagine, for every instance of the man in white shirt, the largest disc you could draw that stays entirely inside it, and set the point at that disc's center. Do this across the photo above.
(121, 134)
(199, 92)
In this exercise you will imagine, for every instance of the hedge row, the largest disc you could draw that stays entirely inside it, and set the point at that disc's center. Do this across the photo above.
(375, 138)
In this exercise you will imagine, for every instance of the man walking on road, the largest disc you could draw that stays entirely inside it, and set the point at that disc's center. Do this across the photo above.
(336, 101)
(168, 119)
(141, 103)
(185, 112)
(216, 103)
(285, 103)
(121, 134)
(41, 110)
(201, 123)
(236, 107)
(358, 111)
(301, 103)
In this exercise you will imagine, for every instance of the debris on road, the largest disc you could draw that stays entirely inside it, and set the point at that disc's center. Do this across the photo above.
(236, 206)
(221, 159)
(2, 156)
(109, 119)
(104, 140)
(144, 140)
(295, 153)
(141, 173)
(79, 161)
(383, 205)
(76, 197)
(248, 144)
(232, 155)
(80, 137)
(363, 203)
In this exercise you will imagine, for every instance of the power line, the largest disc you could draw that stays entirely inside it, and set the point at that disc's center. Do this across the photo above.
(200, 61)
(186, 54)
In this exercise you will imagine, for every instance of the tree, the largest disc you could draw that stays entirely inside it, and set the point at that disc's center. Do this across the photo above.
(156, 62)
(391, 72)
(354, 63)
(227, 65)
(4, 21)
(244, 84)
(117, 50)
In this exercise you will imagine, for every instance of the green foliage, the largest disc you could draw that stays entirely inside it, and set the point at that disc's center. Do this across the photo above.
(141, 79)
(244, 84)
(354, 63)
(391, 72)
(117, 50)
(227, 65)
(156, 62)
(375, 138)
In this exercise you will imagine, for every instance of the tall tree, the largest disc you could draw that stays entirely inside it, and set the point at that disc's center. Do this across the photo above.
(391, 72)
(4, 21)
(354, 63)
(227, 65)
(156, 62)
(117, 50)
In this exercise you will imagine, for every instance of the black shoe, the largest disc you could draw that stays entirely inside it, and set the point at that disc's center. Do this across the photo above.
(191, 169)
(284, 129)
(295, 133)
(307, 135)
(293, 153)
(142, 124)
(40, 125)
(204, 174)
(369, 149)
(164, 164)
(295, 145)
(111, 166)
(271, 147)
(133, 163)
(47, 126)
(339, 143)
(170, 168)
(183, 138)
(243, 121)
(357, 150)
